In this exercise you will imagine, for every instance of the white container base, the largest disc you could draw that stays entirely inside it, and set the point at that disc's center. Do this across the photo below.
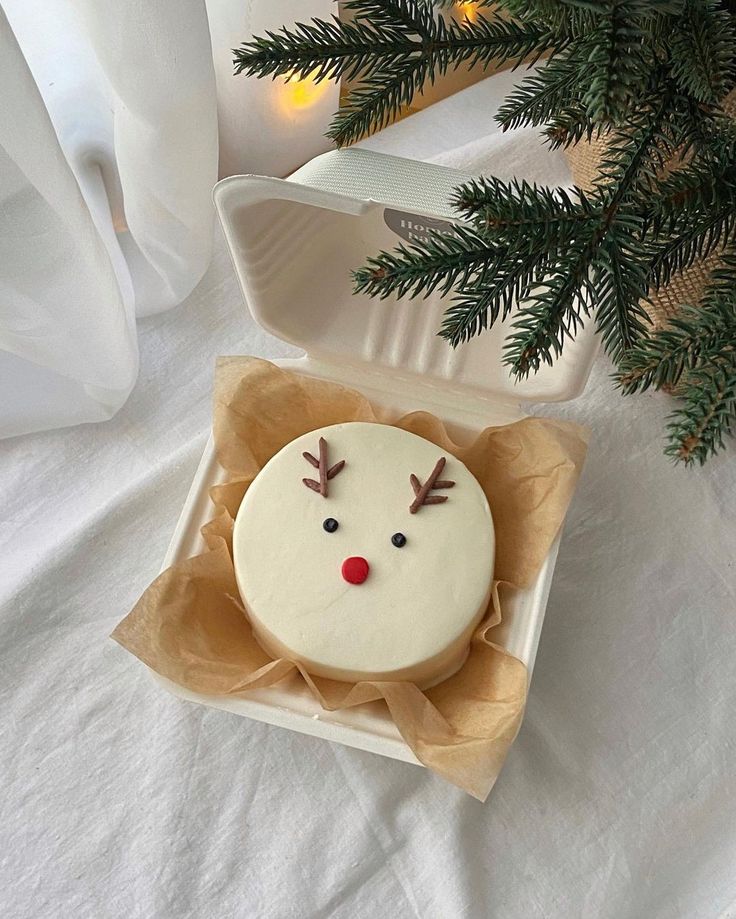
(293, 243)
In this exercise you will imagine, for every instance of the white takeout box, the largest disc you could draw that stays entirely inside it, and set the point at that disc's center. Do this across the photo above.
(293, 244)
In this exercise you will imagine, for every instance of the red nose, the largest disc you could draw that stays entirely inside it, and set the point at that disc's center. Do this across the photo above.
(355, 569)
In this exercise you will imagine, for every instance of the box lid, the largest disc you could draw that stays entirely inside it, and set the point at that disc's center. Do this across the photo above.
(294, 243)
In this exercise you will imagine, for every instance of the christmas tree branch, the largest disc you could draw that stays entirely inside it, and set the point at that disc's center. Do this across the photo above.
(620, 282)
(392, 49)
(569, 125)
(439, 262)
(537, 97)
(703, 50)
(326, 50)
(507, 207)
(697, 430)
(481, 301)
(648, 75)
(706, 234)
(698, 336)
(616, 65)
(384, 90)
(553, 312)
(697, 347)
(692, 191)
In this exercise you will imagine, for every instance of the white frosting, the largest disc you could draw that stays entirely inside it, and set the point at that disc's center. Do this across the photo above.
(413, 616)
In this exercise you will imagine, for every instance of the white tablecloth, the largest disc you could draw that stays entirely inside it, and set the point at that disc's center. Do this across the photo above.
(618, 799)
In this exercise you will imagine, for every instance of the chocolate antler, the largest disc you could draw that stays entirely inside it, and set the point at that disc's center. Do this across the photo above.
(325, 474)
(422, 492)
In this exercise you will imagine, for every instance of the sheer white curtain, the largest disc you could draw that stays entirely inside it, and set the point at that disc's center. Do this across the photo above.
(108, 155)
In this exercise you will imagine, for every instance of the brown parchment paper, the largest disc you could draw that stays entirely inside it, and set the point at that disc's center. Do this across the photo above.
(190, 625)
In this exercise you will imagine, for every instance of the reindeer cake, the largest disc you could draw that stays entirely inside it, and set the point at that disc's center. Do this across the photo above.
(365, 553)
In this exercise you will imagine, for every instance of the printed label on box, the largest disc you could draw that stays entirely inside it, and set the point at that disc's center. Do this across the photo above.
(415, 227)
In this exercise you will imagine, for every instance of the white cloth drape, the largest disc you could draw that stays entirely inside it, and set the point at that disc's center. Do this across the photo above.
(108, 154)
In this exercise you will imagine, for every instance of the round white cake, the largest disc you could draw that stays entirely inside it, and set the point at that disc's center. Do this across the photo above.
(365, 553)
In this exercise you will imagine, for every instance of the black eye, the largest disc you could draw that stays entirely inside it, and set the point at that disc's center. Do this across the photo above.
(330, 525)
(399, 540)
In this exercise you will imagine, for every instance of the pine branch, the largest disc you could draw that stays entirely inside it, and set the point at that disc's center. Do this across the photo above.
(690, 215)
(553, 312)
(699, 348)
(380, 95)
(437, 263)
(619, 61)
(636, 152)
(569, 125)
(601, 74)
(697, 430)
(698, 129)
(369, 108)
(521, 232)
(480, 302)
(695, 190)
(621, 283)
(324, 50)
(703, 51)
(578, 17)
(698, 336)
(485, 41)
(490, 272)
(507, 207)
(414, 15)
(393, 49)
(537, 98)
(527, 224)
(567, 15)
(704, 235)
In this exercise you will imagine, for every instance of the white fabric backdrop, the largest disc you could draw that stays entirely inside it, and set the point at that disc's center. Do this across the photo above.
(108, 155)
(618, 800)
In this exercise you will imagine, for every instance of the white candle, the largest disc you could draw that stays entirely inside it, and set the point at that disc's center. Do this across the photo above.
(267, 127)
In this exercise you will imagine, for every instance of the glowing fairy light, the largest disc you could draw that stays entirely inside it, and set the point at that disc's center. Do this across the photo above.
(297, 93)
(467, 9)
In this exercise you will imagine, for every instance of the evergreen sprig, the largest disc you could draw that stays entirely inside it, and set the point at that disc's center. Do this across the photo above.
(650, 77)
(702, 51)
(390, 50)
(439, 263)
(536, 98)
(697, 353)
(697, 336)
